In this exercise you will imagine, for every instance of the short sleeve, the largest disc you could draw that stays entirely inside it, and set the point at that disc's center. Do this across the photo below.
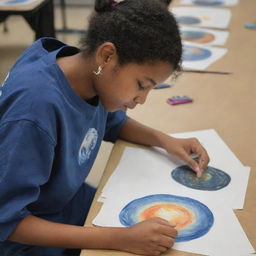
(115, 122)
(26, 156)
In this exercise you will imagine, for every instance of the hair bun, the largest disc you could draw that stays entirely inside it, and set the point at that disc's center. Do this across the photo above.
(103, 5)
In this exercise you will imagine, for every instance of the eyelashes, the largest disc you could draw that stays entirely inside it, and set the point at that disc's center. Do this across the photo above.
(140, 86)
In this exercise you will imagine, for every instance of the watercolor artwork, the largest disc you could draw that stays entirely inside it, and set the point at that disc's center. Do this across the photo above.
(141, 187)
(203, 225)
(212, 179)
(202, 16)
(16, 2)
(203, 36)
(142, 169)
(193, 219)
(197, 36)
(195, 56)
(195, 53)
(188, 20)
(210, 2)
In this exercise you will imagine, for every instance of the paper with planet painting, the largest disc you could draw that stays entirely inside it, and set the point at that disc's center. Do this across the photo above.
(195, 56)
(203, 227)
(210, 2)
(202, 16)
(225, 180)
(145, 184)
(203, 36)
(16, 2)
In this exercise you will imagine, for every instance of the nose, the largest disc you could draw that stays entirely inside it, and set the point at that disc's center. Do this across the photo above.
(140, 99)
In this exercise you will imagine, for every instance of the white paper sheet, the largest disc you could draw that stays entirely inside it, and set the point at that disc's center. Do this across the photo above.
(203, 36)
(154, 171)
(202, 16)
(226, 236)
(141, 168)
(210, 2)
(196, 56)
(144, 172)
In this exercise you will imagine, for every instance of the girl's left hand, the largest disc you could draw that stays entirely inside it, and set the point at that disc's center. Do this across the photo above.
(183, 148)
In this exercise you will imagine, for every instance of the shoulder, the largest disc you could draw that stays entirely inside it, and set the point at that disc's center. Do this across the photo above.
(37, 50)
(31, 97)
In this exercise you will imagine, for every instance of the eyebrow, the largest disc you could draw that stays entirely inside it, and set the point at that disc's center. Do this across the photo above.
(151, 81)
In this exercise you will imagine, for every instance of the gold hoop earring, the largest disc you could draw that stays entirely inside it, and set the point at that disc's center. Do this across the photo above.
(99, 70)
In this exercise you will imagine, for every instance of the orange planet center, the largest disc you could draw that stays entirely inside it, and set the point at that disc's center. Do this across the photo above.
(195, 50)
(173, 213)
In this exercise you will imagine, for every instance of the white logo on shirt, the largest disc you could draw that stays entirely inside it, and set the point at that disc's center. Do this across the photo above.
(1, 85)
(5, 80)
(88, 144)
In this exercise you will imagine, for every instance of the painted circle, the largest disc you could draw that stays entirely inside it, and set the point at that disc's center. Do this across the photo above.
(208, 2)
(193, 219)
(188, 20)
(197, 36)
(212, 179)
(192, 53)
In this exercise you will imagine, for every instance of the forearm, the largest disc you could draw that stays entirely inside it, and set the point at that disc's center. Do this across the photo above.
(36, 231)
(136, 132)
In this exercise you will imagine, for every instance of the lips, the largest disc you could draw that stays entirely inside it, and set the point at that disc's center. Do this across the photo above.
(131, 106)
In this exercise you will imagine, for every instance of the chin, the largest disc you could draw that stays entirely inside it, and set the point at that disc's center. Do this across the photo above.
(111, 108)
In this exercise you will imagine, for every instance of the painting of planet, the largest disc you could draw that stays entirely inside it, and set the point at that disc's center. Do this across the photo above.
(194, 53)
(200, 37)
(212, 179)
(193, 219)
(208, 2)
(188, 20)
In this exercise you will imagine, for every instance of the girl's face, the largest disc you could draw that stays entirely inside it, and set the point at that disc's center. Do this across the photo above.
(123, 87)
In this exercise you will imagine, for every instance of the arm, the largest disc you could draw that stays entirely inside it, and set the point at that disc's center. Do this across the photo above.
(136, 132)
(158, 236)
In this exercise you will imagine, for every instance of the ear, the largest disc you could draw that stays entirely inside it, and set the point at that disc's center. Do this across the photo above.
(105, 53)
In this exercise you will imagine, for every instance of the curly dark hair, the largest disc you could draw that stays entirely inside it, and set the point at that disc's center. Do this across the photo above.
(141, 30)
(167, 2)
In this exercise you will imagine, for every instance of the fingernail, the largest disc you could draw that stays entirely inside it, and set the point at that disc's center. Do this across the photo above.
(200, 173)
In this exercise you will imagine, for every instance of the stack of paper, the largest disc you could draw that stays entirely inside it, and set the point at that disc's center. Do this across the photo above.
(143, 182)
(194, 22)
(210, 2)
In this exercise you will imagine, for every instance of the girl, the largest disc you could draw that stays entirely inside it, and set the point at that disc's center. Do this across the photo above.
(56, 106)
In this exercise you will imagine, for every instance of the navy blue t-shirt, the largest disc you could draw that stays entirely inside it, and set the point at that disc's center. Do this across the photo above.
(49, 138)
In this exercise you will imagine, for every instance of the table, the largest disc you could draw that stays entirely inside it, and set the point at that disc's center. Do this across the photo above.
(39, 14)
(225, 103)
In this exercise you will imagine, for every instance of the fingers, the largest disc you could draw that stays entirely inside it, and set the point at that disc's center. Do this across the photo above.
(167, 242)
(165, 228)
(164, 222)
(199, 159)
(158, 236)
(203, 160)
(163, 245)
(161, 249)
(169, 231)
(193, 164)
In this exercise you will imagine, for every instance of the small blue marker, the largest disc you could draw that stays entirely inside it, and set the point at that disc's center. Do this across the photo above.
(250, 25)
(161, 86)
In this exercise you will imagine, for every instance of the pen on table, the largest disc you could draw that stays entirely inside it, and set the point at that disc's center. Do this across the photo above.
(250, 25)
(161, 86)
(206, 72)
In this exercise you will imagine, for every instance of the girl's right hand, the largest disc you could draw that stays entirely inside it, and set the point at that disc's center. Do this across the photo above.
(150, 237)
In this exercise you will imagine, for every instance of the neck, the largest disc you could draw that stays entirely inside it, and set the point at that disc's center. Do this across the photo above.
(79, 73)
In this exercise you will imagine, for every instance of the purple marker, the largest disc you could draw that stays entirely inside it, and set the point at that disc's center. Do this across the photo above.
(179, 100)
